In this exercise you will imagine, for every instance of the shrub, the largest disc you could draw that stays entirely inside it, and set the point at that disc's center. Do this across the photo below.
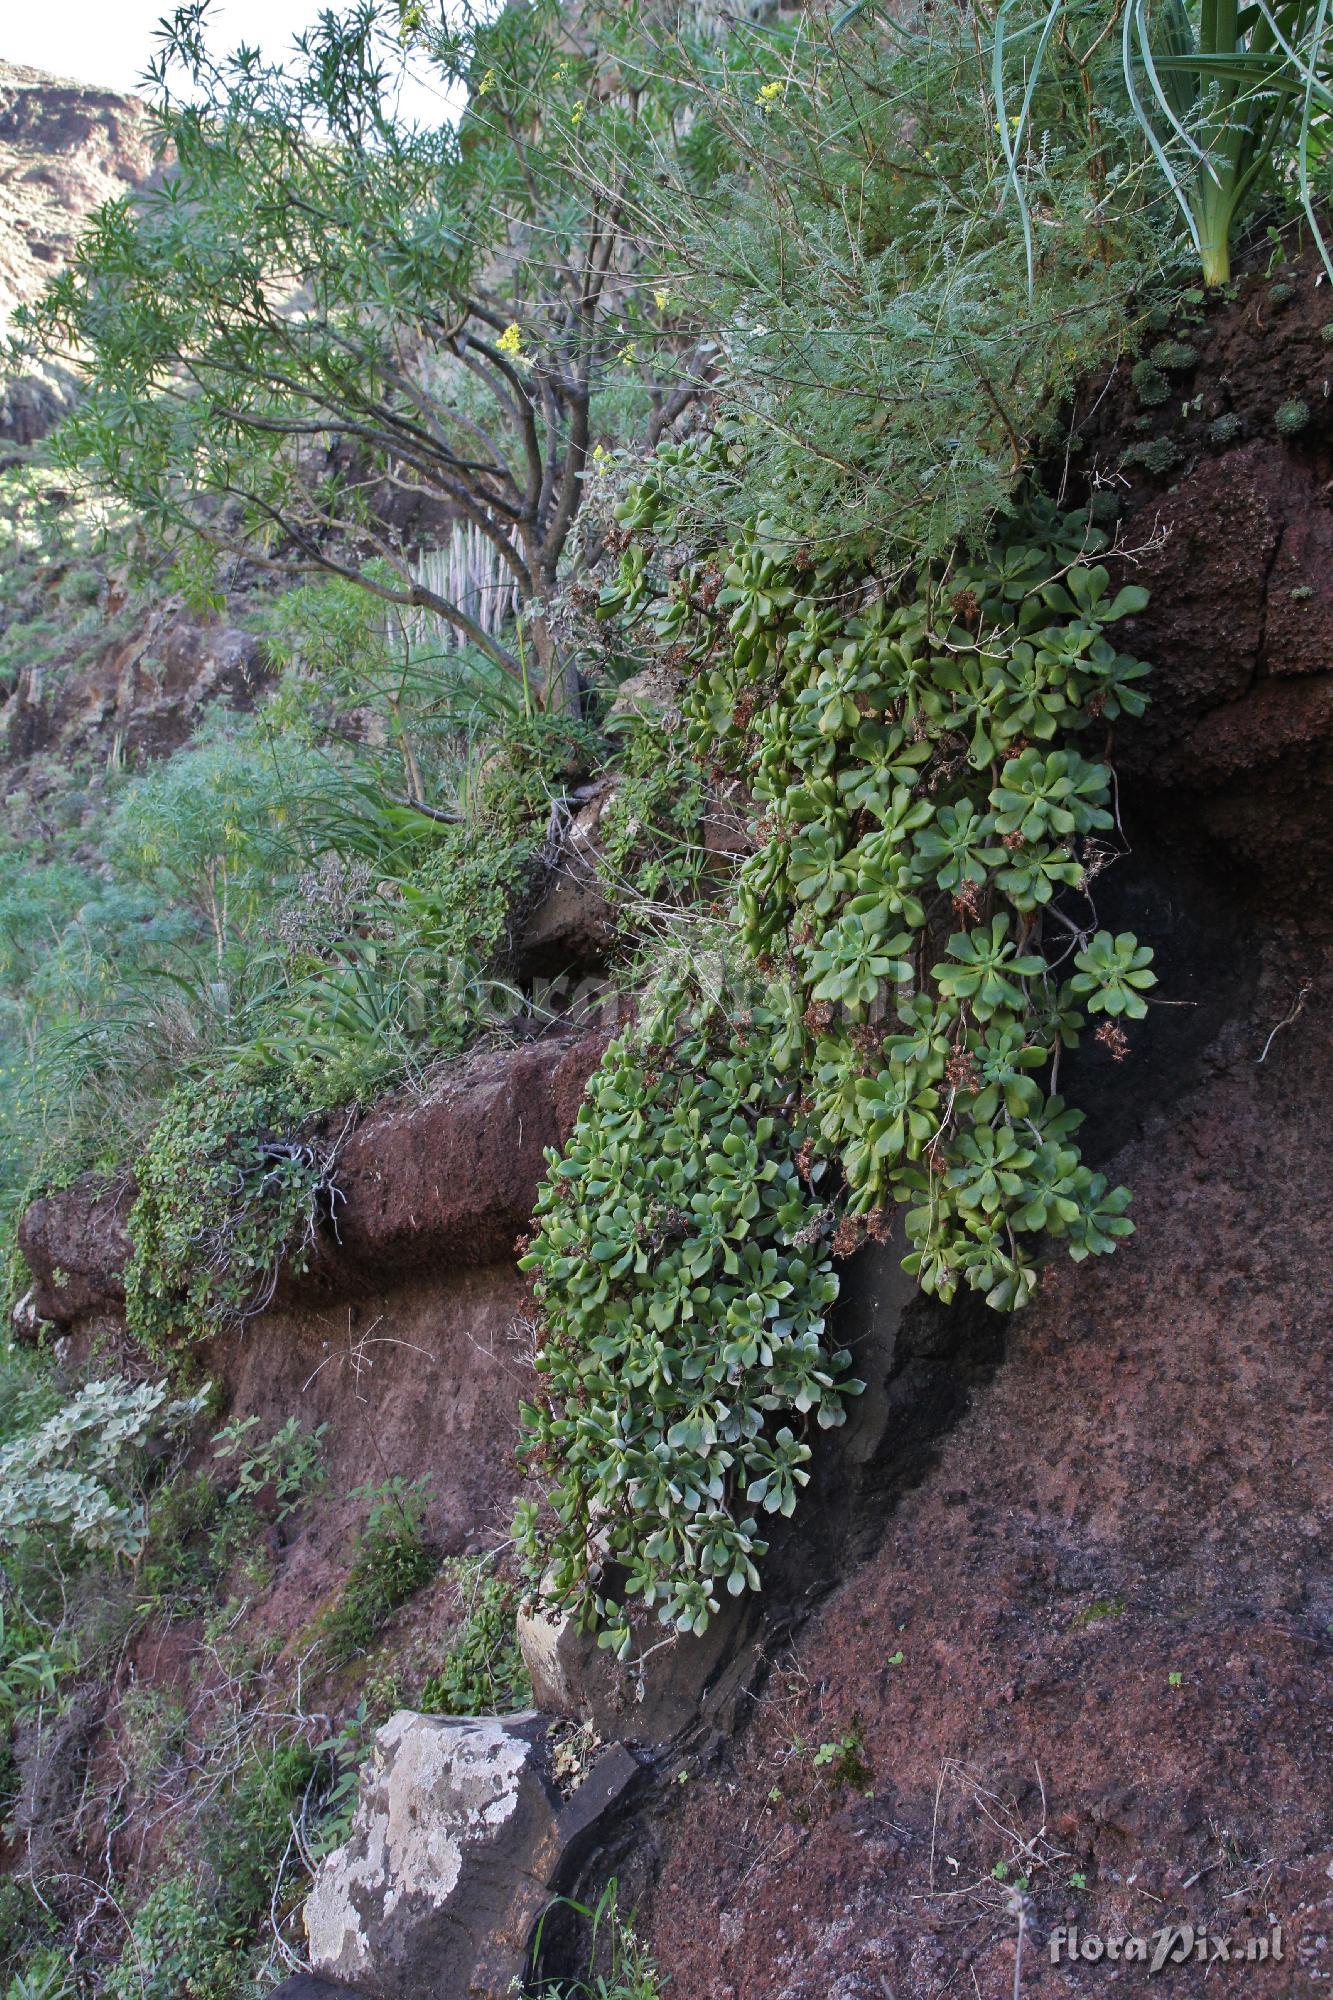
(72, 1480)
(192, 1937)
(212, 825)
(651, 834)
(393, 1562)
(25, 1925)
(922, 947)
(179, 1569)
(287, 1463)
(683, 1271)
(226, 1191)
(247, 1832)
(483, 1671)
(888, 363)
(177, 1949)
(48, 1975)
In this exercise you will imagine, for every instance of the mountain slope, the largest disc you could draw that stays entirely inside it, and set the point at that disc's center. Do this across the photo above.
(64, 150)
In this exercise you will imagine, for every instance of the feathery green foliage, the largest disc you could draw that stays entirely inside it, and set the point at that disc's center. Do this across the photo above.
(888, 370)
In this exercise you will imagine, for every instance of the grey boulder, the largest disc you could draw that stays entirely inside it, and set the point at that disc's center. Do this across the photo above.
(462, 1838)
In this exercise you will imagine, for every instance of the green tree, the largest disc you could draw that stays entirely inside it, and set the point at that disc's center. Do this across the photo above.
(324, 315)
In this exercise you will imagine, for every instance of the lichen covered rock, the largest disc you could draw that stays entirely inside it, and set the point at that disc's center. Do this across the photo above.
(461, 1839)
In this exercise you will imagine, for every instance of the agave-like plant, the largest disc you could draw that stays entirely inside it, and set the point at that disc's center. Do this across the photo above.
(1223, 91)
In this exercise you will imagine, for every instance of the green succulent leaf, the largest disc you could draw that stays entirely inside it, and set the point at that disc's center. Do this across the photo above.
(1113, 975)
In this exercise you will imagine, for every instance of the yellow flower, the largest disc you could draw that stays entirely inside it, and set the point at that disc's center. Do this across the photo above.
(511, 340)
(662, 298)
(769, 93)
(487, 83)
(628, 352)
(576, 114)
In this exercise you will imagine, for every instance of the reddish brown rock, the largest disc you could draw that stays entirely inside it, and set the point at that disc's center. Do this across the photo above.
(449, 1183)
(428, 1187)
(1235, 545)
(76, 1246)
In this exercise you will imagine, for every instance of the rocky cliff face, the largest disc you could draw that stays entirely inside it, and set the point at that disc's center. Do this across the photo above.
(406, 1334)
(64, 150)
(134, 686)
(1044, 1660)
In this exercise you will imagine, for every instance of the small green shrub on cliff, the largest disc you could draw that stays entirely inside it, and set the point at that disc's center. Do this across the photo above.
(25, 1926)
(194, 1936)
(925, 827)
(212, 827)
(226, 1191)
(651, 834)
(483, 1671)
(393, 1562)
(72, 1482)
(247, 1831)
(187, 1550)
(890, 356)
(918, 919)
(46, 1976)
(177, 1950)
(286, 1464)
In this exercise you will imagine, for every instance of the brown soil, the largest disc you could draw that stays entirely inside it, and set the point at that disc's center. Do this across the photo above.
(1236, 548)
(1102, 1625)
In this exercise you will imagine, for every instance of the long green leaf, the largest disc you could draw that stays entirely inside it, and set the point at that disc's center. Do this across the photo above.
(1012, 141)
(1269, 75)
(1133, 13)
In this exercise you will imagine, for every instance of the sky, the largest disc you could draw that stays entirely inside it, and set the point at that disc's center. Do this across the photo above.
(109, 42)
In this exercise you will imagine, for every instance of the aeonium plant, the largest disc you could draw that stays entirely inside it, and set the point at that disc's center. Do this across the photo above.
(917, 911)
(683, 1271)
